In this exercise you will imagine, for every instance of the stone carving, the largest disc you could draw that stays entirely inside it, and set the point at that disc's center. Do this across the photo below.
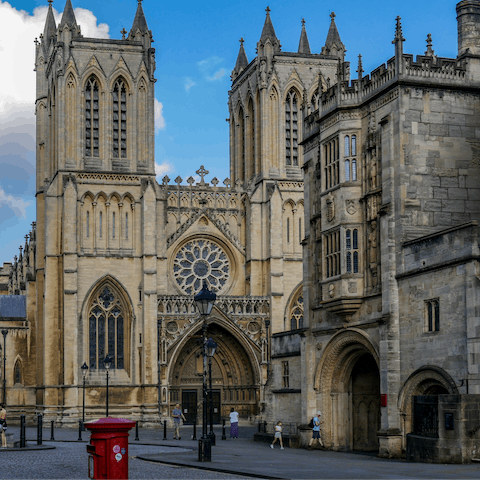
(172, 327)
(330, 207)
(263, 73)
(369, 309)
(372, 208)
(352, 287)
(372, 171)
(331, 290)
(372, 240)
(350, 207)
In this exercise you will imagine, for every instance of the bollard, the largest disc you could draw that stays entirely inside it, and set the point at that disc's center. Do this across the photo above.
(224, 436)
(39, 428)
(52, 423)
(22, 431)
(164, 429)
(194, 436)
(80, 428)
(136, 432)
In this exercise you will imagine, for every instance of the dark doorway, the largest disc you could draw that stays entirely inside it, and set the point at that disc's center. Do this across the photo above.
(189, 405)
(365, 389)
(216, 406)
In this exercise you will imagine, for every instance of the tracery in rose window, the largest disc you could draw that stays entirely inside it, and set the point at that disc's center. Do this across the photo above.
(199, 260)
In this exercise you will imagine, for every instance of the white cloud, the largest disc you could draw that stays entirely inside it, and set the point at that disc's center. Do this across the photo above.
(16, 204)
(159, 118)
(217, 75)
(162, 169)
(189, 83)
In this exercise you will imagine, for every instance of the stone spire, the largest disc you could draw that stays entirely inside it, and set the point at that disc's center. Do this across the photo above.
(333, 44)
(242, 61)
(304, 45)
(268, 35)
(139, 22)
(68, 17)
(50, 26)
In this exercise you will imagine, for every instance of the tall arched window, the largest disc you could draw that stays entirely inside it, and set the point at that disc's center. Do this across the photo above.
(296, 312)
(120, 119)
(17, 372)
(291, 128)
(92, 129)
(107, 328)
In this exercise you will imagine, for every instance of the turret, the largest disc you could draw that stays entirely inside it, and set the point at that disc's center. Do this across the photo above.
(333, 44)
(268, 44)
(242, 62)
(304, 45)
(139, 31)
(468, 22)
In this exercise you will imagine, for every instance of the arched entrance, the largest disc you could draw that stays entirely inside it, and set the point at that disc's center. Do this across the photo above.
(234, 380)
(365, 404)
(348, 380)
(427, 380)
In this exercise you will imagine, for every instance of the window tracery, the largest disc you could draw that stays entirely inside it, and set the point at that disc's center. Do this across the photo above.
(296, 312)
(120, 119)
(291, 128)
(199, 260)
(106, 329)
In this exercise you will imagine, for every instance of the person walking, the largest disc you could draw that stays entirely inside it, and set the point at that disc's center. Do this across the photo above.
(316, 430)
(177, 415)
(3, 424)
(233, 423)
(278, 435)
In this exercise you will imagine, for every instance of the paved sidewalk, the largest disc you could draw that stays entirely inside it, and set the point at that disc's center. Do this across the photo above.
(247, 458)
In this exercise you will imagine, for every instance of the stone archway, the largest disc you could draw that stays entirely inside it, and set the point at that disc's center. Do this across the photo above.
(235, 382)
(427, 380)
(348, 380)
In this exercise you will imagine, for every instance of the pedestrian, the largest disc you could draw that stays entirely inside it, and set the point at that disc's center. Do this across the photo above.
(3, 424)
(177, 416)
(233, 423)
(316, 430)
(278, 435)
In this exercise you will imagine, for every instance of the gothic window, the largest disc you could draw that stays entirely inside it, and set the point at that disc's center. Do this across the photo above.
(126, 225)
(351, 247)
(300, 230)
(288, 230)
(314, 100)
(92, 118)
(432, 315)
(291, 128)
(296, 312)
(120, 119)
(285, 375)
(332, 257)
(199, 260)
(88, 224)
(113, 225)
(331, 163)
(349, 155)
(100, 225)
(106, 319)
(17, 372)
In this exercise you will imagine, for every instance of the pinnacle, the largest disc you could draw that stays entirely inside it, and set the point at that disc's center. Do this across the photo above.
(68, 17)
(268, 30)
(139, 22)
(50, 26)
(304, 45)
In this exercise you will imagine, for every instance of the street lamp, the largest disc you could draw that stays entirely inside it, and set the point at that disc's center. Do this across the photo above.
(107, 364)
(204, 302)
(211, 346)
(4, 333)
(84, 368)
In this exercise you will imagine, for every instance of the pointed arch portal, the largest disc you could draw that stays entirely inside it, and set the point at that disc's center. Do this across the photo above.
(234, 378)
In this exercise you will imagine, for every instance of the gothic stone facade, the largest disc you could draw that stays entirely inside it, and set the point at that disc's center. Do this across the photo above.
(391, 273)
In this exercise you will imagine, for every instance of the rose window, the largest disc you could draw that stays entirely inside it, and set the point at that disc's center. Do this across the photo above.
(200, 260)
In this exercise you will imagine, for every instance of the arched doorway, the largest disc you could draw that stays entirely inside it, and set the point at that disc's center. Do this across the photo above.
(427, 380)
(348, 382)
(365, 404)
(234, 380)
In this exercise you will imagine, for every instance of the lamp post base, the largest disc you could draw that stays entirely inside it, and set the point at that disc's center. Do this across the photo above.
(204, 450)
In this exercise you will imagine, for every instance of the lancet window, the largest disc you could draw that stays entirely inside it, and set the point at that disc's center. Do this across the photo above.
(296, 312)
(291, 128)
(331, 155)
(92, 129)
(120, 120)
(350, 160)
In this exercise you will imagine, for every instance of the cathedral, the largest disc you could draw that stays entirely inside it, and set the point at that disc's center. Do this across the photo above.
(343, 249)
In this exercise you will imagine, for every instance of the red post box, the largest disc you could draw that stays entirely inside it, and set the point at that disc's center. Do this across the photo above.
(108, 448)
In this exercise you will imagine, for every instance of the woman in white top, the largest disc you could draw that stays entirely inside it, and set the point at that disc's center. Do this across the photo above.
(3, 424)
(233, 423)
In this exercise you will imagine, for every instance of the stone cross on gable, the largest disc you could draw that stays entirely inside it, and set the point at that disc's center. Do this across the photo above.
(303, 22)
(123, 32)
(242, 40)
(267, 10)
(332, 16)
(215, 181)
(190, 180)
(178, 180)
(227, 182)
(50, 1)
(202, 172)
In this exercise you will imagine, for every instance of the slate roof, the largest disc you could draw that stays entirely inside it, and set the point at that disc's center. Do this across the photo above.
(13, 307)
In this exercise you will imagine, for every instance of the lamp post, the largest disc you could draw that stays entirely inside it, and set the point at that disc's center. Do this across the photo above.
(211, 347)
(204, 302)
(84, 368)
(107, 363)
(4, 333)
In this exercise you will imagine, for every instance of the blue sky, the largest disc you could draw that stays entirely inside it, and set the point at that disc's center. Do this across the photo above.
(196, 48)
